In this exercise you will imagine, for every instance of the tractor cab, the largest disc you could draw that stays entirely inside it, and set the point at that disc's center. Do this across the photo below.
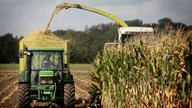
(44, 62)
(46, 78)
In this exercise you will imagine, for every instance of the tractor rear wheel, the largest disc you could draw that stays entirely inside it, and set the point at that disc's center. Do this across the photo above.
(69, 95)
(23, 96)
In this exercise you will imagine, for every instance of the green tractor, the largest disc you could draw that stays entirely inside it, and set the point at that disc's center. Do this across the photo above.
(45, 78)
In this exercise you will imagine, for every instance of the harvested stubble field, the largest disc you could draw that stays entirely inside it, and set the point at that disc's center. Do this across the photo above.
(9, 85)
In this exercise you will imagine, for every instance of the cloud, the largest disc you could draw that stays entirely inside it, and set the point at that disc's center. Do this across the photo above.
(21, 17)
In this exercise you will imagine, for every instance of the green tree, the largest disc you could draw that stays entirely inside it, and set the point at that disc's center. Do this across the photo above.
(9, 46)
(164, 21)
(135, 22)
(86, 44)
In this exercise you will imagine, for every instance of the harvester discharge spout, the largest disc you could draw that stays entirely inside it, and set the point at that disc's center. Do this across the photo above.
(69, 5)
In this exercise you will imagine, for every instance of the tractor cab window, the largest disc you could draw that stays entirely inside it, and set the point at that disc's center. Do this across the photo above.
(44, 60)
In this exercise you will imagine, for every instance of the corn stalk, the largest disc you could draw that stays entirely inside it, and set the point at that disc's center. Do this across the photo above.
(150, 71)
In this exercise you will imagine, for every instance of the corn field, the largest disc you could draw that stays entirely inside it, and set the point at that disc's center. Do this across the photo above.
(149, 71)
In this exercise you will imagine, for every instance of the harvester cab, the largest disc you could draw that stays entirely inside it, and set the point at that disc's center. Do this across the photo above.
(45, 78)
(124, 33)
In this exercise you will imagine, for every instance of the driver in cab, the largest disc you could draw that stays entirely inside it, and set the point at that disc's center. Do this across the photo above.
(46, 62)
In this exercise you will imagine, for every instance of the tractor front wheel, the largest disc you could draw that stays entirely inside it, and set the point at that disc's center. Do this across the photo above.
(23, 96)
(69, 95)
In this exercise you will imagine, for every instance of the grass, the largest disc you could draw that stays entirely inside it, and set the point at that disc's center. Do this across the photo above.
(81, 73)
(9, 66)
(72, 66)
(81, 66)
(84, 65)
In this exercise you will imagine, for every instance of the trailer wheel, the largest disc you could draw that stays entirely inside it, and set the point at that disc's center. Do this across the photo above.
(23, 96)
(69, 96)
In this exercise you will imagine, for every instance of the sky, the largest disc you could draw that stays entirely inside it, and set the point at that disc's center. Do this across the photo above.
(21, 17)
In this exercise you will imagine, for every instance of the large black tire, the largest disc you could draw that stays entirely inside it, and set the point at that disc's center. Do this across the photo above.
(69, 96)
(23, 96)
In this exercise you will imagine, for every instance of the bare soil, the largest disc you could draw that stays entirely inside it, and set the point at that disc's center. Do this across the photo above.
(9, 86)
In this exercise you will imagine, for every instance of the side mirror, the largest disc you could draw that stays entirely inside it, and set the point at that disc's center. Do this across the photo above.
(21, 54)
(65, 65)
(29, 54)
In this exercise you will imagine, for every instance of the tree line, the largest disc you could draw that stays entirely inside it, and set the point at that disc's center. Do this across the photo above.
(84, 45)
(9, 48)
